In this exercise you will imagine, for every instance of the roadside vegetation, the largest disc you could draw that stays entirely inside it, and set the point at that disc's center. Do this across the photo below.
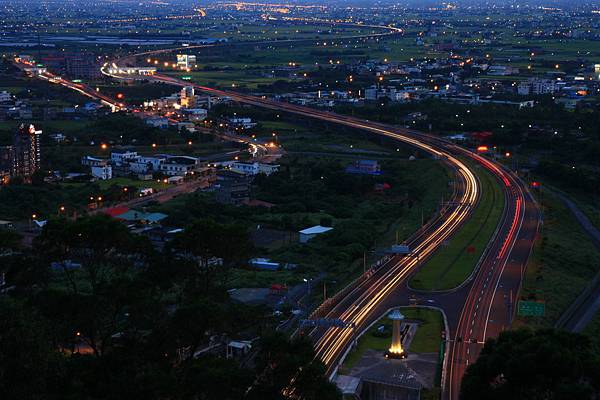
(563, 262)
(312, 190)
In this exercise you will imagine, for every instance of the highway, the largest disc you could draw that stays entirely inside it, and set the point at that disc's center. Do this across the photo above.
(488, 304)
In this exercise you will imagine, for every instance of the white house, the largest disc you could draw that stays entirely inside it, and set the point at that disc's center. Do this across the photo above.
(146, 164)
(180, 166)
(103, 172)
(119, 157)
(254, 168)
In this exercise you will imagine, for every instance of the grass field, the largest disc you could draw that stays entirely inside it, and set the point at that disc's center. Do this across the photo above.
(451, 265)
(228, 78)
(427, 338)
(563, 263)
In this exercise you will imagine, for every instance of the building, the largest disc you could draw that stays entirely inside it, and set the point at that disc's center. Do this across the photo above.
(186, 61)
(310, 233)
(122, 156)
(242, 122)
(254, 168)
(537, 87)
(264, 263)
(77, 64)
(157, 122)
(103, 172)
(369, 167)
(232, 187)
(26, 153)
(187, 97)
(147, 164)
(83, 65)
(89, 161)
(502, 70)
(5, 97)
(180, 166)
(195, 114)
(6, 159)
(392, 380)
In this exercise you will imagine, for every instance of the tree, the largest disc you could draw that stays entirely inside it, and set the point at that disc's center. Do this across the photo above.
(288, 369)
(9, 240)
(205, 241)
(102, 245)
(526, 364)
(27, 359)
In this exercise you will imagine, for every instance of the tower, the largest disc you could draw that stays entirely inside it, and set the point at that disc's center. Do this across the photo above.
(396, 350)
(26, 152)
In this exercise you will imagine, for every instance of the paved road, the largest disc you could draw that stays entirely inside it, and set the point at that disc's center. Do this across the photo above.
(489, 305)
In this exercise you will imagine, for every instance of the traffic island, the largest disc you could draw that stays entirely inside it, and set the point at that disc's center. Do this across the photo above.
(407, 369)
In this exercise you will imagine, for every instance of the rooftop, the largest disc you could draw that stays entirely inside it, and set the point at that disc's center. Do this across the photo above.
(314, 230)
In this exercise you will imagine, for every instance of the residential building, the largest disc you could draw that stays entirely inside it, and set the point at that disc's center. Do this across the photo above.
(147, 164)
(245, 123)
(254, 168)
(6, 160)
(187, 97)
(195, 114)
(537, 87)
(89, 161)
(369, 167)
(122, 156)
(232, 187)
(103, 172)
(180, 166)
(157, 122)
(5, 97)
(27, 156)
(186, 61)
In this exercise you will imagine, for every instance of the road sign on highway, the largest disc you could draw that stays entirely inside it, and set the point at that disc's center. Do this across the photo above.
(532, 308)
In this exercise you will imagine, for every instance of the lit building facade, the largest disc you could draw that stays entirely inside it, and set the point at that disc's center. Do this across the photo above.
(27, 156)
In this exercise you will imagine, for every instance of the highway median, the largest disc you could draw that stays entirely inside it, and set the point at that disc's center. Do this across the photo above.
(457, 259)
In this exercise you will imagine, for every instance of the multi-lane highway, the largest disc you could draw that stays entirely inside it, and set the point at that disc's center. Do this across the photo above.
(490, 301)
(487, 303)
(491, 296)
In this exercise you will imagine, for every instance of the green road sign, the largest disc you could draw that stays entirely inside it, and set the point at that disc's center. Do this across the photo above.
(532, 308)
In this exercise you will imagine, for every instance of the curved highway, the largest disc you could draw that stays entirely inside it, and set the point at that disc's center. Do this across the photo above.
(489, 305)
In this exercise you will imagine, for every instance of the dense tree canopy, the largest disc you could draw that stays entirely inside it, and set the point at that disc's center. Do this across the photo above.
(525, 364)
(113, 318)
